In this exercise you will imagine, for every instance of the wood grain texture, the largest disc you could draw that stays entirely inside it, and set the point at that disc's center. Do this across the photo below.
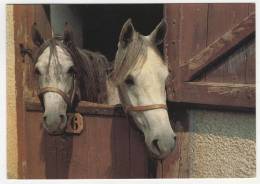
(138, 153)
(172, 13)
(226, 16)
(193, 30)
(229, 34)
(225, 94)
(24, 16)
(219, 47)
(251, 62)
(84, 107)
(105, 149)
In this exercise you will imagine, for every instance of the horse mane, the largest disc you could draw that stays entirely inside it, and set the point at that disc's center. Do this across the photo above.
(93, 67)
(128, 58)
(90, 69)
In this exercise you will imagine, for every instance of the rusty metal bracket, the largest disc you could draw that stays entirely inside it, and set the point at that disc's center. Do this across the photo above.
(75, 123)
(25, 51)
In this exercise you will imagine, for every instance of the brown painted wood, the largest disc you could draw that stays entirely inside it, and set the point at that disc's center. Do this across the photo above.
(19, 20)
(138, 153)
(84, 107)
(101, 151)
(176, 165)
(251, 7)
(24, 16)
(121, 161)
(193, 30)
(107, 147)
(232, 67)
(194, 37)
(183, 128)
(250, 55)
(251, 61)
(187, 35)
(235, 66)
(219, 47)
(172, 13)
(159, 169)
(226, 94)
(171, 163)
(102, 109)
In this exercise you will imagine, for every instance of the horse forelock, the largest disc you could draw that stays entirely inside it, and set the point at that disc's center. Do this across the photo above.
(127, 59)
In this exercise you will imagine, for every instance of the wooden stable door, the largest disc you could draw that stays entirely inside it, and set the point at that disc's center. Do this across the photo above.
(211, 53)
(210, 49)
(108, 147)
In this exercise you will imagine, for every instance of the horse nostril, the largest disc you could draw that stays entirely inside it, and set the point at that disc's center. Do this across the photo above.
(44, 118)
(156, 144)
(62, 118)
(175, 137)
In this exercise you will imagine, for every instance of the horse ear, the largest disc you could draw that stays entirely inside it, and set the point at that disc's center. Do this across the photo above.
(127, 33)
(36, 35)
(158, 34)
(68, 34)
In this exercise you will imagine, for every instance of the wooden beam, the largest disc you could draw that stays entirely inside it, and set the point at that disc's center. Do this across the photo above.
(84, 107)
(225, 43)
(218, 94)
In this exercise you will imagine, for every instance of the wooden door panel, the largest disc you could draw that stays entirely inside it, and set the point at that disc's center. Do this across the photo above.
(226, 55)
(251, 62)
(108, 147)
(24, 17)
(193, 30)
(222, 17)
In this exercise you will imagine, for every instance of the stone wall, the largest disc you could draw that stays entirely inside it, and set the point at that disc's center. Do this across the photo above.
(222, 144)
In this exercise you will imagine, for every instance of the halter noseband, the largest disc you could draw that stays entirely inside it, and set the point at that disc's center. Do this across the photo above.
(68, 98)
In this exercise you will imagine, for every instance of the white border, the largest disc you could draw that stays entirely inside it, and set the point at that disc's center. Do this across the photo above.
(3, 121)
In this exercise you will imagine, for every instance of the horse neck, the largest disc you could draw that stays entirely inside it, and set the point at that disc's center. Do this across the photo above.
(112, 93)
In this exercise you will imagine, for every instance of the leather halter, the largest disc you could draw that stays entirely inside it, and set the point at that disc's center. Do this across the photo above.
(141, 108)
(68, 98)
(55, 90)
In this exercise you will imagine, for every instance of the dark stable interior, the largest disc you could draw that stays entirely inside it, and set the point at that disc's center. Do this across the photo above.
(102, 23)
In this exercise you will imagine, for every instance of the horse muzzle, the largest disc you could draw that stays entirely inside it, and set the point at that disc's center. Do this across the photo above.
(54, 123)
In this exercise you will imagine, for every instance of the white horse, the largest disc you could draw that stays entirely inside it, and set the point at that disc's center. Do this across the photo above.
(140, 74)
(67, 75)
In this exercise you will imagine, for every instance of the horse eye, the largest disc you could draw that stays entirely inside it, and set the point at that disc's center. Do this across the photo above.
(37, 72)
(71, 70)
(129, 81)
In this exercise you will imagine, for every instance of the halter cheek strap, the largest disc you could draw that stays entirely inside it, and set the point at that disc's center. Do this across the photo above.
(141, 108)
(68, 98)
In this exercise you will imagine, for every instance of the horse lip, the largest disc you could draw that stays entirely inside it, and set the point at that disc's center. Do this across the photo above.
(55, 132)
(154, 151)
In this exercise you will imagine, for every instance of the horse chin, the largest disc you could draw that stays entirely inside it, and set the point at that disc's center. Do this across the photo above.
(158, 156)
(56, 132)
(155, 153)
(54, 128)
